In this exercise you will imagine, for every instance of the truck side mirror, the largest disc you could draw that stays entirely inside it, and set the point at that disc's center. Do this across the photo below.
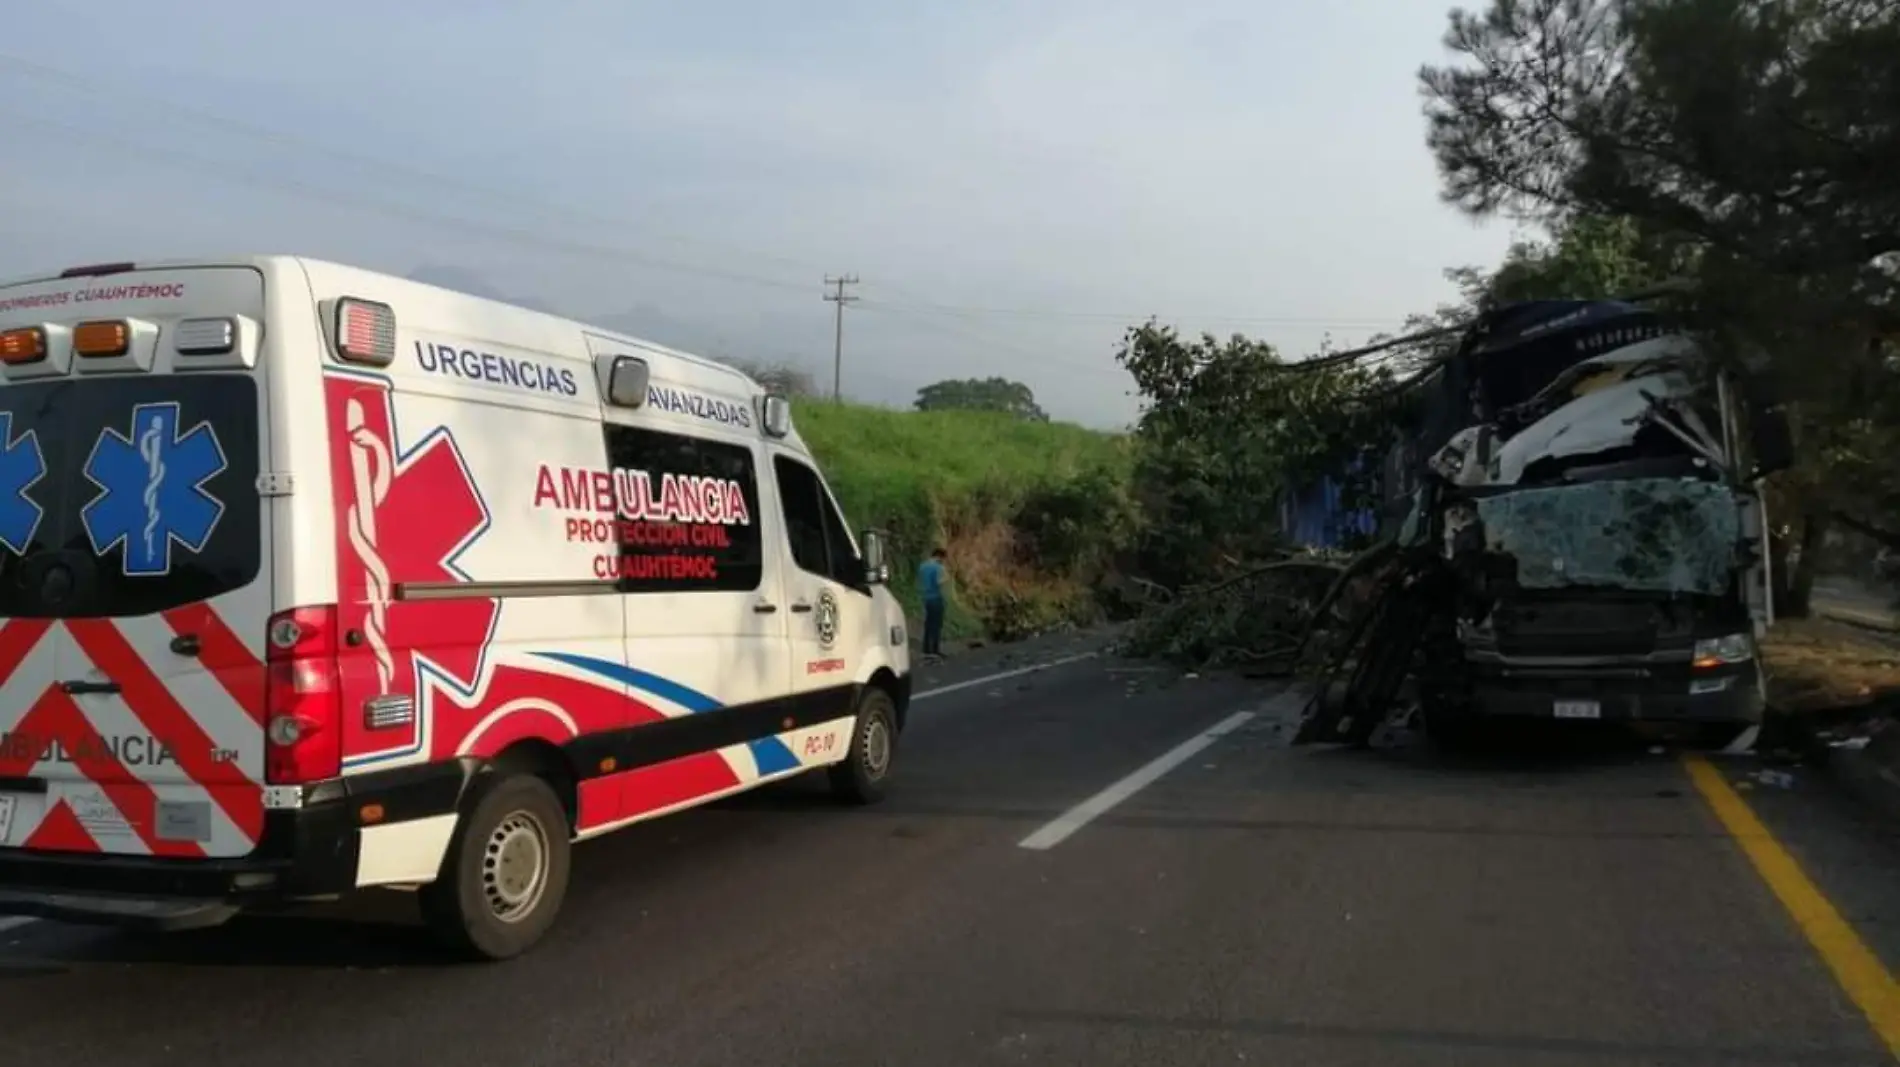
(877, 568)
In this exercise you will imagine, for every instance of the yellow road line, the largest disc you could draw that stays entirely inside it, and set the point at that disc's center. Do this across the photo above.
(1865, 979)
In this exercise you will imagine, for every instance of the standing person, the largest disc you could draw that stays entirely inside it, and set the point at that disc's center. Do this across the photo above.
(930, 582)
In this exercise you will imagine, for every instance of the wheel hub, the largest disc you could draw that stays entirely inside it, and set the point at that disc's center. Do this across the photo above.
(515, 866)
(877, 747)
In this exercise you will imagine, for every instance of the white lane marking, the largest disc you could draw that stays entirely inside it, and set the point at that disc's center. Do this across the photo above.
(15, 922)
(1031, 669)
(1094, 807)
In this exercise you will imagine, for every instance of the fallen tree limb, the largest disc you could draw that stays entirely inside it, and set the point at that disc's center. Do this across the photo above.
(1256, 616)
(1255, 572)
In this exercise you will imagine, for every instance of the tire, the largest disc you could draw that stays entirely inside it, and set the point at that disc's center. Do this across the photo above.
(485, 913)
(862, 777)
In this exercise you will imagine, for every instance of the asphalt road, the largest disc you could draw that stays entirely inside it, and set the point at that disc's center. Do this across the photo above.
(1558, 901)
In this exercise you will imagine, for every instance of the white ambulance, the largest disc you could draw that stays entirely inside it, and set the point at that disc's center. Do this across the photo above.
(315, 579)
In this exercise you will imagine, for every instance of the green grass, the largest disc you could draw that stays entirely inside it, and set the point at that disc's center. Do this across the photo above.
(879, 460)
(931, 477)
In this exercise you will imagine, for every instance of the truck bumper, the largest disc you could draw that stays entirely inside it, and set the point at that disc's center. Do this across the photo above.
(1730, 697)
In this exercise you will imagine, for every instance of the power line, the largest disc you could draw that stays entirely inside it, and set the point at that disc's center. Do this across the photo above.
(941, 317)
(916, 306)
(527, 237)
(509, 233)
(985, 343)
(199, 164)
(838, 297)
(14, 64)
(1132, 317)
(90, 84)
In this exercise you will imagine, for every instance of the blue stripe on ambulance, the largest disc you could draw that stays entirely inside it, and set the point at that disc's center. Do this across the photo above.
(772, 755)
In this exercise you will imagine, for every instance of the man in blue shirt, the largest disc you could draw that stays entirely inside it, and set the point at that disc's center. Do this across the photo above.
(930, 582)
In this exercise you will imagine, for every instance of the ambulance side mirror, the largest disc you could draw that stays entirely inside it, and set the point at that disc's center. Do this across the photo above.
(778, 415)
(627, 382)
(877, 568)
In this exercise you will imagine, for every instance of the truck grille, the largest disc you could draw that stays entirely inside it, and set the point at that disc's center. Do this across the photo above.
(1575, 629)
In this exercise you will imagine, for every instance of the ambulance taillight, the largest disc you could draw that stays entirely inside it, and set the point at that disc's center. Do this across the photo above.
(303, 698)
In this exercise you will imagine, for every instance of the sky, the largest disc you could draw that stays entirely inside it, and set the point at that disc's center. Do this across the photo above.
(1013, 184)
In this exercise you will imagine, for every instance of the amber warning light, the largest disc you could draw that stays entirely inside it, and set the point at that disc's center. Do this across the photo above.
(23, 346)
(96, 340)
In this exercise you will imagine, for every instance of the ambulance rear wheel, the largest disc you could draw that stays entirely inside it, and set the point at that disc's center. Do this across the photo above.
(506, 871)
(861, 778)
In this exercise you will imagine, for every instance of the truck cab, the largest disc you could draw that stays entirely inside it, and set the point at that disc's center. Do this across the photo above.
(1607, 533)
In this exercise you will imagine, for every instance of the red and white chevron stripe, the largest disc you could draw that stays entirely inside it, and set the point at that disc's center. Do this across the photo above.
(208, 710)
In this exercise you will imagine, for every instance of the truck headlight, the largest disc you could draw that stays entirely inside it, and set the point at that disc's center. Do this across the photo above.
(1721, 651)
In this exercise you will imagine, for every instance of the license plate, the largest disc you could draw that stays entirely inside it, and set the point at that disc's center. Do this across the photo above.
(7, 804)
(1578, 709)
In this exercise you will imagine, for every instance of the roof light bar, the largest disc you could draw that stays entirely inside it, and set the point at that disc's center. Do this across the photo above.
(21, 346)
(102, 339)
(204, 337)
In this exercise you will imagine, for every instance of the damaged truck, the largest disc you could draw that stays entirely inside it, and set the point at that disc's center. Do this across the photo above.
(1582, 536)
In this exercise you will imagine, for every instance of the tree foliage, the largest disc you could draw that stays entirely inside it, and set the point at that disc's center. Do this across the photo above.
(981, 394)
(1764, 129)
(1226, 429)
(1758, 137)
(1746, 146)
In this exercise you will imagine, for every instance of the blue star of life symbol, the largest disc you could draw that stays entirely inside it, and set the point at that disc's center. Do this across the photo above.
(21, 468)
(151, 489)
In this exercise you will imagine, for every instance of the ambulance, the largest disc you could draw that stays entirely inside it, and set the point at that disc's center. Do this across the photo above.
(314, 580)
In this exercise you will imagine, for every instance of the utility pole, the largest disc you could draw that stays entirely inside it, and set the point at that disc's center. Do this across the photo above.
(838, 297)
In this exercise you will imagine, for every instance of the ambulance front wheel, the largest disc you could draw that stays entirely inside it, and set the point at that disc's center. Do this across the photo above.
(506, 871)
(861, 778)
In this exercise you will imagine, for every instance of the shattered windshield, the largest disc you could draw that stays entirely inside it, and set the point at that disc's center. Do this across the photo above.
(1669, 535)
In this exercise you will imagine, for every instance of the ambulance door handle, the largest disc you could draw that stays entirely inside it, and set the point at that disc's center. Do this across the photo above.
(78, 688)
(763, 607)
(800, 606)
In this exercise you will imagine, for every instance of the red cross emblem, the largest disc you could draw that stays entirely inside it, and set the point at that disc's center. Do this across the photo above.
(405, 511)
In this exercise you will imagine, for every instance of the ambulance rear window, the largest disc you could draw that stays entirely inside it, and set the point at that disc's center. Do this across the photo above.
(127, 496)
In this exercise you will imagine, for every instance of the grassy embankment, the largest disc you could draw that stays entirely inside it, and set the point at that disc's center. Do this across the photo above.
(1031, 513)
